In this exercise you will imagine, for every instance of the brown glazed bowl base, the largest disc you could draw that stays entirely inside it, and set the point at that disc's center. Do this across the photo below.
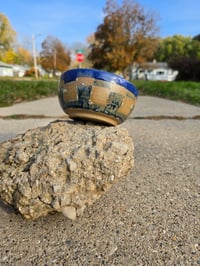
(89, 115)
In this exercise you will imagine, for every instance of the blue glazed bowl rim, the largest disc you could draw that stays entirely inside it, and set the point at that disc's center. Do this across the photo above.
(72, 74)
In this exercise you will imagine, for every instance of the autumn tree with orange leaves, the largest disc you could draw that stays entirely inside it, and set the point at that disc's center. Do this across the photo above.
(54, 55)
(128, 34)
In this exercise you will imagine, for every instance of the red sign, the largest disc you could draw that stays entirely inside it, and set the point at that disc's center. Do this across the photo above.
(79, 57)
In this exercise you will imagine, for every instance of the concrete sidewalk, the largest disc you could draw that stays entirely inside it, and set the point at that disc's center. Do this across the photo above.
(145, 106)
(151, 218)
(50, 109)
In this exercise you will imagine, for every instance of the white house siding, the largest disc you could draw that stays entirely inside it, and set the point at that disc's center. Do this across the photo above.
(6, 70)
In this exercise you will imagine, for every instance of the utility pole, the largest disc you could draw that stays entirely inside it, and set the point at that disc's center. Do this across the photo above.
(34, 56)
(54, 61)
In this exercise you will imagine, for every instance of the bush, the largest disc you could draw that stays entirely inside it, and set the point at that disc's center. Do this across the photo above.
(188, 67)
(31, 72)
(14, 91)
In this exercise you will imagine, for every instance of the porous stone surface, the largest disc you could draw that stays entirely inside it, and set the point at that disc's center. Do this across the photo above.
(63, 167)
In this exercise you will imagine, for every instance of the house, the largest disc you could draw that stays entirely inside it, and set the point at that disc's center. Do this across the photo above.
(6, 70)
(19, 70)
(154, 71)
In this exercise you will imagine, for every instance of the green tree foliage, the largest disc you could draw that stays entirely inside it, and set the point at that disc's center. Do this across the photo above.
(127, 35)
(183, 54)
(175, 46)
(54, 55)
(7, 36)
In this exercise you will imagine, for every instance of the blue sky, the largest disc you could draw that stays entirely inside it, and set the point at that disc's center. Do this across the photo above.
(73, 21)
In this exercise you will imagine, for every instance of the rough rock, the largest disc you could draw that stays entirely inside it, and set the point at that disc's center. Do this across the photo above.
(63, 167)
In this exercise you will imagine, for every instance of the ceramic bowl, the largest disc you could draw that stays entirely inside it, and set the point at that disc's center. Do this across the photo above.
(96, 95)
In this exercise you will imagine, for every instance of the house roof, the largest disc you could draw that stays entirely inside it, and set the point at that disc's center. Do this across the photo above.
(2, 64)
(151, 65)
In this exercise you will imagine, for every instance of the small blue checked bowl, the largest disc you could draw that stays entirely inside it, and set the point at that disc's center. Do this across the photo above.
(96, 95)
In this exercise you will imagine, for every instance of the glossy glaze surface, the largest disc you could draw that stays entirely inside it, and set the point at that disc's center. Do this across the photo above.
(94, 95)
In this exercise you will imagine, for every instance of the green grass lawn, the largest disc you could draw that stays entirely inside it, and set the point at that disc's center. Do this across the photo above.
(188, 92)
(15, 91)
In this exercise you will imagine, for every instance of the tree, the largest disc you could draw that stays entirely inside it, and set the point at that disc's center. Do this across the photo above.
(23, 57)
(176, 46)
(7, 34)
(197, 37)
(54, 55)
(127, 35)
(20, 56)
(188, 67)
(182, 54)
(9, 56)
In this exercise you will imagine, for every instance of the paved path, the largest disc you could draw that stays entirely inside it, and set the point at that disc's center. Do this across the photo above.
(50, 108)
(145, 106)
(151, 218)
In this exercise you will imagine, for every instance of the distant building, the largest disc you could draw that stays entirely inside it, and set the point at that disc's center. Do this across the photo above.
(154, 71)
(6, 70)
(19, 70)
